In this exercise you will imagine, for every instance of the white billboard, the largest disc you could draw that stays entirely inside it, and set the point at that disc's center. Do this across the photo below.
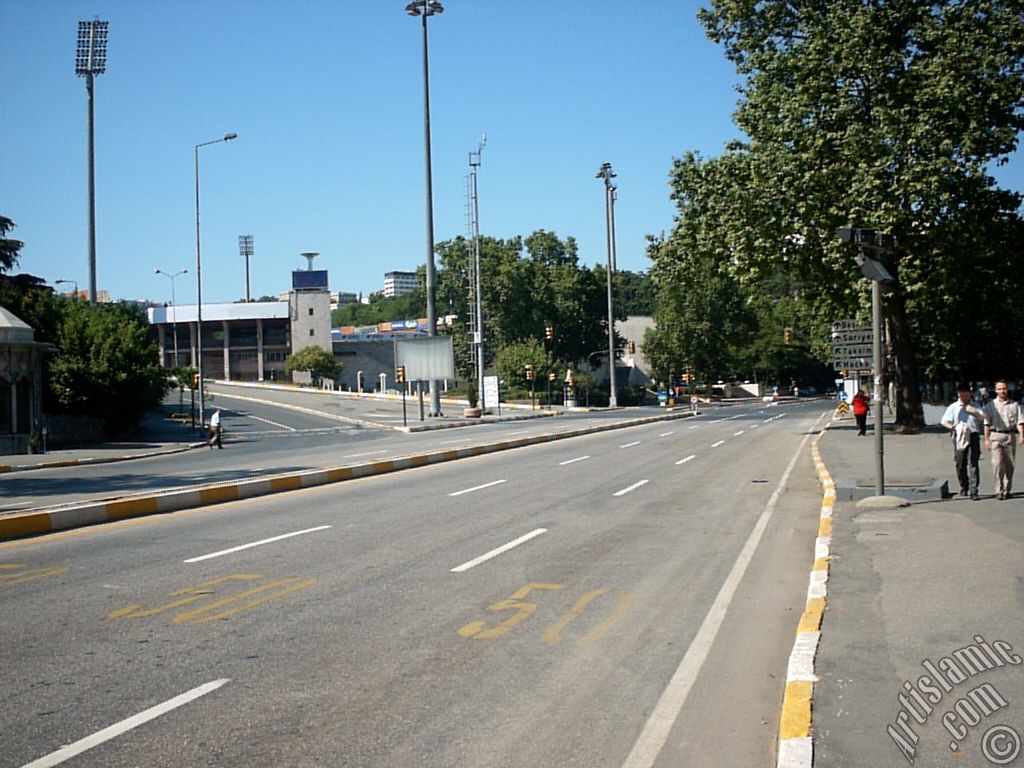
(427, 359)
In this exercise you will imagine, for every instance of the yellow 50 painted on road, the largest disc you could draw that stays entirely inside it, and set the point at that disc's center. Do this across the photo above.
(223, 608)
(552, 635)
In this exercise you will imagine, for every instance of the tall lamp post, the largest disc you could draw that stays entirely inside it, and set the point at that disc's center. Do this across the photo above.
(68, 282)
(605, 172)
(478, 341)
(199, 282)
(424, 9)
(245, 251)
(174, 308)
(91, 60)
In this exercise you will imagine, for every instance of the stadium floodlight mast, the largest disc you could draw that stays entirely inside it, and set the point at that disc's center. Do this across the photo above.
(174, 308)
(199, 283)
(425, 9)
(245, 251)
(605, 172)
(91, 60)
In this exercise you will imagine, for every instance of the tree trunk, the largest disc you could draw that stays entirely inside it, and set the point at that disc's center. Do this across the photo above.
(909, 412)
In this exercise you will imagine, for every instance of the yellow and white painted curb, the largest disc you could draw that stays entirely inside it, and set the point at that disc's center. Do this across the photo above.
(4, 468)
(796, 748)
(35, 522)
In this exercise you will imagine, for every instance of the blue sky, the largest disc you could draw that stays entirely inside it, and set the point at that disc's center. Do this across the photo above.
(326, 99)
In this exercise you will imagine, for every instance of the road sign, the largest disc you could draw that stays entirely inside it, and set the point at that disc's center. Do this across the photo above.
(852, 337)
(840, 326)
(853, 351)
(842, 410)
(859, 365)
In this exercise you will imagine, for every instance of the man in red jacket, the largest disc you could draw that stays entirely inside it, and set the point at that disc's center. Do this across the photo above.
(860, 411)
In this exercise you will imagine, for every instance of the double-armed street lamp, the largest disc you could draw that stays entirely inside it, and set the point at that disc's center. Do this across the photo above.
(605, 172)
(425, 9)
(174, 308)
(199, 281)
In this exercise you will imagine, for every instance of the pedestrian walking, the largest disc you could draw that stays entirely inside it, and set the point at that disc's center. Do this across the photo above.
(215, 430)
(860, 411)
(1004, 431)
(964, 421)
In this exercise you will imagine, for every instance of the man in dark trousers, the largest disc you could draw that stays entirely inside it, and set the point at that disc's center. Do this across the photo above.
(964, 421)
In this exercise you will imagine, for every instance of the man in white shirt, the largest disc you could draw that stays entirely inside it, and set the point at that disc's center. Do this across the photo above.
(1004, 431)
(215, 429)
(963, 421)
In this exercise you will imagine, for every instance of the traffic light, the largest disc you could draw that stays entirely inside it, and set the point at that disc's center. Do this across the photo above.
(787, 334)
(632, 347)
(400, 374)
(549, 332)
(529, 372)
(551, 377)
(195, 381)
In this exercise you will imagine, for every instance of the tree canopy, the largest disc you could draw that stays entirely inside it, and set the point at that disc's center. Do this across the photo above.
(884, 115)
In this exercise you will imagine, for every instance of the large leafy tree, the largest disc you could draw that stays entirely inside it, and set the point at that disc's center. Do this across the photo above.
(105, 364)
(883, 114)
(316, 360)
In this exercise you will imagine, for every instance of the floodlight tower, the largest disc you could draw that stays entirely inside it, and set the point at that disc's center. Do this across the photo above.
(424, 9)
(91, 60)
(245, 251)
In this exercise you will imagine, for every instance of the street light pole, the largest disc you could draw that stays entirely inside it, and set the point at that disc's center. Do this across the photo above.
(606, 173)
(91, 60)
(174, 308)
(424, 9)
(474, 163)
(64, 282)
(199, 282)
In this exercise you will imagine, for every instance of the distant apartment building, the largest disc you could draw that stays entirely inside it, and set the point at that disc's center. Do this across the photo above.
(399, 283)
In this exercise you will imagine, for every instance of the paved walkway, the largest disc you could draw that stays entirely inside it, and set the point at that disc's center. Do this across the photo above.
(936, 585)
(155, 434)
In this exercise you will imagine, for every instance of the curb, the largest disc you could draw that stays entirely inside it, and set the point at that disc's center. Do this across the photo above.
(5, 468)
(34, 523)
(796, 747)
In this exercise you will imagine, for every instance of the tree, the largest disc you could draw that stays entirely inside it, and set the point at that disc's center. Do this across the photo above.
(318, 361)
(106, 365)
(890, 125)
(9, 247)
(513, 358)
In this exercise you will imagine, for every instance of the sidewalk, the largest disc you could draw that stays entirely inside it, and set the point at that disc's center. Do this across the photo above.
(926, 590)
(156, 434)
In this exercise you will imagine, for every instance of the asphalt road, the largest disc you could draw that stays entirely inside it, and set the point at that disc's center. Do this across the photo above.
(622, 599)
(262, 439)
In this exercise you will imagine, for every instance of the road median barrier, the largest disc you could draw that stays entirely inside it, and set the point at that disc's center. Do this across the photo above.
(41, 521)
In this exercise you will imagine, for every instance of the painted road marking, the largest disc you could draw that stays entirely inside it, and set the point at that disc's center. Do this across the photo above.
(12, 573)
(572, 461)
(715, 445)
(630, 445)
(694, 426)
(255, 544)
(275, 423)
(633, 487)
(368, 453)
(477, 488)
(198, 592)
(500, 550)
(115, 730)
(655, 732)
(666, 434)
(754, 426)
(737, 434)
(688, 458)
